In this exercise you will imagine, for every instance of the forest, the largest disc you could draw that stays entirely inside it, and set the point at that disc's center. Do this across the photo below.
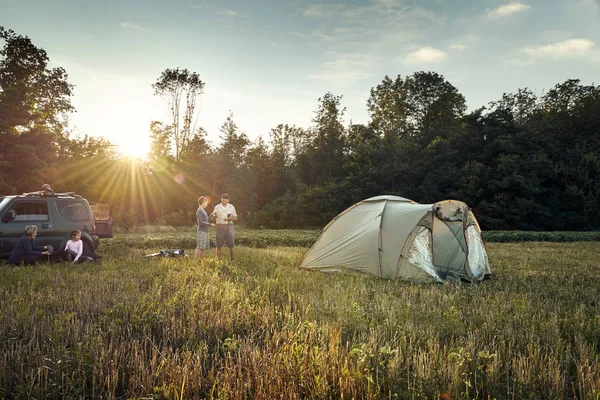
(526, 161)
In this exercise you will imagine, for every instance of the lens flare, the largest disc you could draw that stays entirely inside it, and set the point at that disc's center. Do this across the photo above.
(179, 178)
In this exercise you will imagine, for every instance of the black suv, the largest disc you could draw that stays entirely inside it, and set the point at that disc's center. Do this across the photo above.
(55, 215)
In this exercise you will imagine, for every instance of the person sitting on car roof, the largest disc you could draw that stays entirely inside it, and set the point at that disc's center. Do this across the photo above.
(46, 189)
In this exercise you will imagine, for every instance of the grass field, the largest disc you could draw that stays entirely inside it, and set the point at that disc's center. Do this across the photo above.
(259, 327)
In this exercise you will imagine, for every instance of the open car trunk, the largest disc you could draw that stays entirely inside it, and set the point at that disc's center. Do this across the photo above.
(102, 219)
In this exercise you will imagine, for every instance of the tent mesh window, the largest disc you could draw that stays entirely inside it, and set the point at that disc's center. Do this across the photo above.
(420, 252)
(477, 254)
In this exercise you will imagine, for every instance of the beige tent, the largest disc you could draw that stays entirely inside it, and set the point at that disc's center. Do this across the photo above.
(394, 237)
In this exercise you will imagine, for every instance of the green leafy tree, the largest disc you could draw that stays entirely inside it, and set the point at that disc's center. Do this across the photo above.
(234, 146)
(262, 164)
(195, 171)
(287, 142)
(570, 125)
(161, 162)
(323, 159)
(84, 164)
(231, 173)
(34, 100)
(435, 105)
(388, 107)
(405, 148)
(31, 93)
(420, 106)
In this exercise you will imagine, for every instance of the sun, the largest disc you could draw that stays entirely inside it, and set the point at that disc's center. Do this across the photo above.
(135, 146)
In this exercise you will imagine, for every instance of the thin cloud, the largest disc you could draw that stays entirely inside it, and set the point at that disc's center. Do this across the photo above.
(129, 25)
(318, 34)
(346, 68)
(515, 62)
(458, 46)
(199, 4)
(425, 55)
(228, 13)
(555, 35)
(220, 11)
(506, 10)
(571, 48)
(378, 23)
(387, 3)
(322, 10)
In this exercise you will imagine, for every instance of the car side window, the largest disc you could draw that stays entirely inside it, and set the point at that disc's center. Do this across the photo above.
(30, 211)
(72, 211)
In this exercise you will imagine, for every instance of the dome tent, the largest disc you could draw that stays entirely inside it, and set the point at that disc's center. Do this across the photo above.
(394, 237)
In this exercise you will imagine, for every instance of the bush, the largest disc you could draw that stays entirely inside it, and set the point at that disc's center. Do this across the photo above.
(127, 221)
(312, 208)
(536, 236)
(179, 218)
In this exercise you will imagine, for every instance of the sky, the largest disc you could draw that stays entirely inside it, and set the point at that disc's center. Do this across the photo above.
(269, 61)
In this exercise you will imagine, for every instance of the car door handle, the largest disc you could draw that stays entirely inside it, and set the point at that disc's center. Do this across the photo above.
(46, 226)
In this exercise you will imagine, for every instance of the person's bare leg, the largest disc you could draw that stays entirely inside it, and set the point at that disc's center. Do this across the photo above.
(201, 254)
(196, 253)
(219, 253)
(232, 253)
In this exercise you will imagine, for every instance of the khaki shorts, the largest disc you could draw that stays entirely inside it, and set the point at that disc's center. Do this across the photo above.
(224, 235)
(203, 241)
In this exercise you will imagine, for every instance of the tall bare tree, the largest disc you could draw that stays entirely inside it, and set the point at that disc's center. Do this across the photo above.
(180, 89)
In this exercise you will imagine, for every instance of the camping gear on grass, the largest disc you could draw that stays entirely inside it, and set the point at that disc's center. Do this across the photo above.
(167, 253)
(394, 237)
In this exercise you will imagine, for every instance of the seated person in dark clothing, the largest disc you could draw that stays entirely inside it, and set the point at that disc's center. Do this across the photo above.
(26, 252)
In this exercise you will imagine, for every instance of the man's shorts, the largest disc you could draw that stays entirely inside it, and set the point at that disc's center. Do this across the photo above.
(224, 235)
(203, 241)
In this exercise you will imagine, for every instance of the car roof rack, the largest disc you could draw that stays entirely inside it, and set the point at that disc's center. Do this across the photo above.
(42, 193)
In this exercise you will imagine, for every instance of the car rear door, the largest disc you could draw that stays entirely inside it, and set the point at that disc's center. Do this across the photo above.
(75, 215)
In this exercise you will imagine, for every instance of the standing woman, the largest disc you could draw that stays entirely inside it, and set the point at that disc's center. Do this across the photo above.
(26, 252)
(203, 241)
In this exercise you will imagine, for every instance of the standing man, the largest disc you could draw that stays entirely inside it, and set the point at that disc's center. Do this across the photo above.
(203, 241)
(226, 214)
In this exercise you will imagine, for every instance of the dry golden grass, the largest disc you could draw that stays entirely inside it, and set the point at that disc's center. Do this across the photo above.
(261, 328)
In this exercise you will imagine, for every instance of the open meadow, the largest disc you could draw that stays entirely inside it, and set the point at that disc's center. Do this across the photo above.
(259, 327)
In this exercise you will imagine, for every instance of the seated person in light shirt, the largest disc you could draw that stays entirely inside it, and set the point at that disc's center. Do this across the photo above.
(74, 248)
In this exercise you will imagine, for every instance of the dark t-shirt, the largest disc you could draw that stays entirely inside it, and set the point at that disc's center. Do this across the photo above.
(202, 219)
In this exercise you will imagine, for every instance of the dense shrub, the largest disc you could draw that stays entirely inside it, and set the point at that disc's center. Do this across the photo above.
(526, 236)
(179, 218)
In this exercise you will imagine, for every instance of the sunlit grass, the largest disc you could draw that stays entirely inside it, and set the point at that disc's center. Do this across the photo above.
(259, 327)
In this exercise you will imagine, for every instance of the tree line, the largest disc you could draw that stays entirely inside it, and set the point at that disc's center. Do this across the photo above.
(525, 161)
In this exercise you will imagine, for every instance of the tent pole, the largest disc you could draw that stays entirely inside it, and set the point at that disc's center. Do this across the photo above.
(379, 240)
